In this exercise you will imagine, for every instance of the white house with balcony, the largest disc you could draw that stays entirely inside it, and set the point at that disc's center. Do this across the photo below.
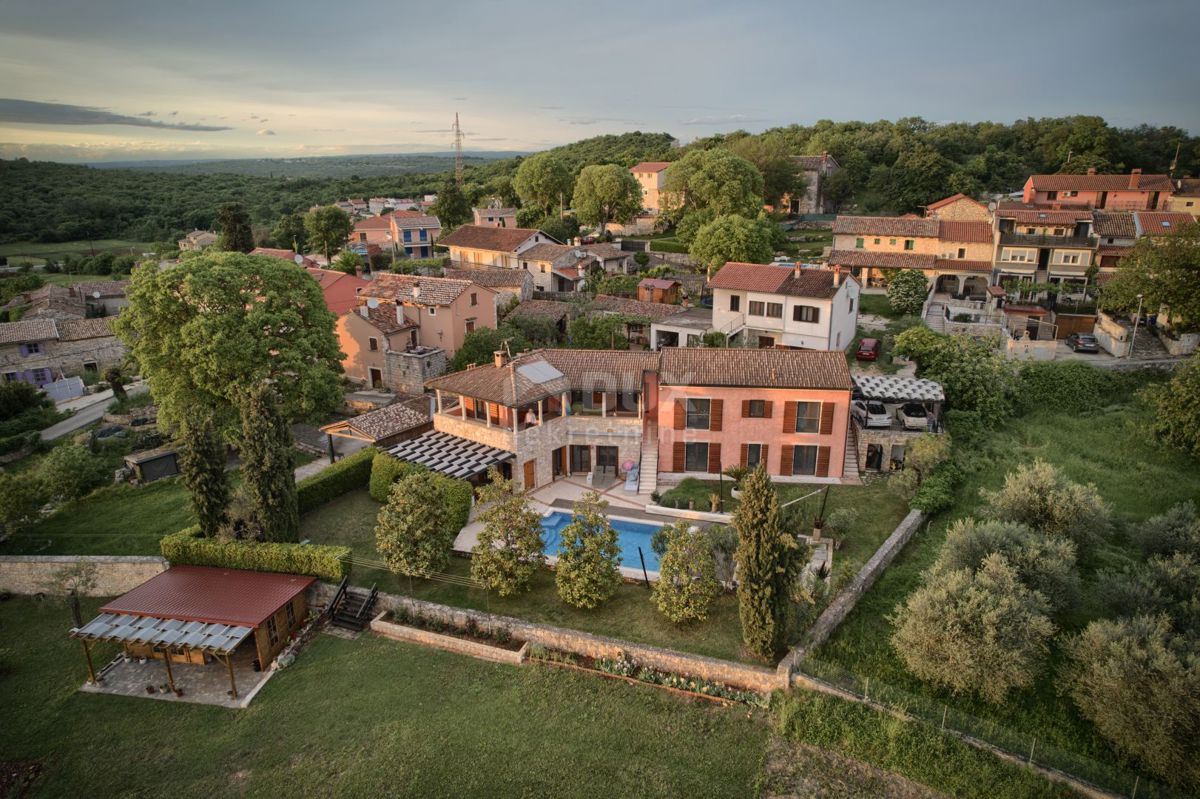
(794, 307)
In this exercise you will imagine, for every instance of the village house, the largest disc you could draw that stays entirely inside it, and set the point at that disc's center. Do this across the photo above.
(555, 312)
(773, 305)
(1185, 199)
(959, 208)
(375, 230)
(652, 177)
(1132, 192)
(1043, 246)
(197, 240)
(40, 351)
(339, 289)
(443, 310)
(380, 205)
(598, 414)
(509, 284)
(814, 170)
(76, 301)
(565, 267)
(413, 233)
(965, 250)
(495, 217)
(474, 245)
(867, 245)
(366, 334)
(687, 328)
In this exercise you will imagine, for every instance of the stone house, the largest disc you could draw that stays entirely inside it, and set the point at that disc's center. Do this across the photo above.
(442, 310)
(814, 170)
(197, 240)
(40, 351)
(495, 217)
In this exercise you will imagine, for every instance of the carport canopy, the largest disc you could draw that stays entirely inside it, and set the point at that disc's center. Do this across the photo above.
(890, 388)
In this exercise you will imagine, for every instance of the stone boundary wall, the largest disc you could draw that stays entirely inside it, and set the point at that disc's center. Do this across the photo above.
(755, 678)
(693, 515)
(115, 574)
(845, 601)
(450, 643)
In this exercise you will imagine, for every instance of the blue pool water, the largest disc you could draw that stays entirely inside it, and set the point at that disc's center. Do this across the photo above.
(630, 536)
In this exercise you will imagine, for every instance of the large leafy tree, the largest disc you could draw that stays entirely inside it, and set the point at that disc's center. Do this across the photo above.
(1139, 683)
(202, 467)
(975, 376)
(717, 181)
(452, 207)
(732, 238)
(289, 233)
(236, 235)
(510, 549)
(587, 572)
(606, 193)
(1039, 496)
(687, 575)
(543, 181)
(204, 329)
(327, 228)
(1177, 408)
(766, 563)
(600, 332)
(907, 290)
(979, 631)
(1165, 271)
(772, 157)
(413, 532)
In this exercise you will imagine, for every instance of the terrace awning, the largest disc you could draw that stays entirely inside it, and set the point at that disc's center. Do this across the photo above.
(449, 454)
(122, 628)
(889, 388)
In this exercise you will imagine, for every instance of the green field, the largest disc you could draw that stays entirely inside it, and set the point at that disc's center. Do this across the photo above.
(368, 717)
(39, 251)
(1108, 447)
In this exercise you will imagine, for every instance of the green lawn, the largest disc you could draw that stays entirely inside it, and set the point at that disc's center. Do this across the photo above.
(42, 250)
(817, 240)
(350, 521)
(876, 304)
(369, 717)
(1108, 447)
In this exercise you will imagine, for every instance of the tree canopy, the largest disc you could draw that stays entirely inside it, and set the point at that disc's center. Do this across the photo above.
(606, 193)
(1165, 271)
(233, 223)
(716, 181)
(1177, 408)
(327, 229)
(732, 238)
(544, 181)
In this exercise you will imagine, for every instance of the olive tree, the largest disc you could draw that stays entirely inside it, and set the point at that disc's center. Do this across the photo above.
(1040, 496)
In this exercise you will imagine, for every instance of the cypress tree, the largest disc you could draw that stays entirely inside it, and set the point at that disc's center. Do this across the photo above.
(765, 561)
(268, 467)
(202, 465)
(236, 234)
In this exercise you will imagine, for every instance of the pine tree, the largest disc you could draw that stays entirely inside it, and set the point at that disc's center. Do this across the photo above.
(510, 549)
(268, 467)
(202, 466)
(413, 533)
(236, 233)
(587, 573)
(766, 559)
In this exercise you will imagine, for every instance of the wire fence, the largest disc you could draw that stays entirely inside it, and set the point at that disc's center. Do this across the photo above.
(1026, 747)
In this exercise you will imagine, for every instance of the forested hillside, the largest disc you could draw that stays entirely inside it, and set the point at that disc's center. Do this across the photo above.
(887, 167)
(330, 166)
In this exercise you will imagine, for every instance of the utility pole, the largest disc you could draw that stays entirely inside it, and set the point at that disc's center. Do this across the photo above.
(458, 164)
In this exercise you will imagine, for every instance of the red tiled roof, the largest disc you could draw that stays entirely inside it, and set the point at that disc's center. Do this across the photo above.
(953, 198)
(383, 318)
(1115, 225)
(963, 265)
(740, 276)
(274, 252)
(767, 368)
(606, 303)
(1161, 223)
(883, 260)
(650, 166)
(81, 329)
(816, 283)
(416, 289)
(885, 226)
(215, 596)
(658, 282)
(1027, 216)
(501, 239)
(374, 223)
(490, 276)
(975, 232)
(1129, 182)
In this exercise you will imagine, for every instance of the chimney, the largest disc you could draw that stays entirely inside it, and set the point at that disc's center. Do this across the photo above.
(498, 358)
(837, 275)
(796, 269)
(1135, 178)
(358, 272)
(364, 311)
(416, 292)
(400, 314)
(1091, 170)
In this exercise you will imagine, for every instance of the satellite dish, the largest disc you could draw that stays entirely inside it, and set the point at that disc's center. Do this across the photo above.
(372, 302)
(96, 294)
(298, 258)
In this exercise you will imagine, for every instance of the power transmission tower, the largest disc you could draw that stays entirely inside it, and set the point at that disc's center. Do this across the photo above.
(458, 165)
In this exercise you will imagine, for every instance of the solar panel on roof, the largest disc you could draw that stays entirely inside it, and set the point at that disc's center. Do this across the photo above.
(539, 372)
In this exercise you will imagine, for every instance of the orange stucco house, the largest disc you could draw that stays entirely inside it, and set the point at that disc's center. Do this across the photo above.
(442, 311)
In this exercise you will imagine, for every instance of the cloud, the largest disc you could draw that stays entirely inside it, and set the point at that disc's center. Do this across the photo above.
(460, 99)
(38, 113)
(722, 119)
(593, 120)
(550, 107)
(146, 114)
(173, 114)
(265, 132)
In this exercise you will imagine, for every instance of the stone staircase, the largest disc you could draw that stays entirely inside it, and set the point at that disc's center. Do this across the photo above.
(850, 470)
(935, 317)
(648, 474)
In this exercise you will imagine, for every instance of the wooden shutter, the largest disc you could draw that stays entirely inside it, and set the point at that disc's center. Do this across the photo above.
(762, 457)
(678, 454)
(785, 459)
(714, 458)
(745, 448)
(789, 418)
(827, 409)
(530, 475)
(680, 416)
(767, 409)
(745, 409)
(716, 415)
(822, 461)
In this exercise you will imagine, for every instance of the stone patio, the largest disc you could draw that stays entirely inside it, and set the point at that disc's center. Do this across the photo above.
(204, 685)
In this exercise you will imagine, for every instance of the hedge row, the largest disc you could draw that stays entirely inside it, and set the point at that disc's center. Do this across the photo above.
(386, 470)
(318, 560)
(331, 482)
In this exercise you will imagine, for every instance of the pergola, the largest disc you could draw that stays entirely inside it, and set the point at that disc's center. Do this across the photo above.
(449, 454)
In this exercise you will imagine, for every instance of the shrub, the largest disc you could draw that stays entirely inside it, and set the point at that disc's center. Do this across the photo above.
(187, 547)
(587, 573)
(1067, 386)
(331, 482)
(1177, 408)
(13, 443)
(1177, 530)
(414, 533)
(922, 456)
(1136, 682)
(978, 632)
(458, 496)
(386, 470)
(1039, 496)
(17, 397)
(69, 472)
(936, 492)
(1165, 585)
(510, 547)
(687, 575)
(906, 291)
(21, 496)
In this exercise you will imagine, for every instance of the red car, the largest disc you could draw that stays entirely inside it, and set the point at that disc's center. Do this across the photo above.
(868, 350)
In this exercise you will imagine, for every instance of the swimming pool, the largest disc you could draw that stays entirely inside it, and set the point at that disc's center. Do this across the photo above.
(630, 536)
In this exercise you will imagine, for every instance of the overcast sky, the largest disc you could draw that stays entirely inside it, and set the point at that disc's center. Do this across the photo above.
(125, 79)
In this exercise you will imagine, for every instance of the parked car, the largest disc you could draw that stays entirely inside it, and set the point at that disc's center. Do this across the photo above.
(870, 413)
(1083, 342)
(868, 350)
(913, 416)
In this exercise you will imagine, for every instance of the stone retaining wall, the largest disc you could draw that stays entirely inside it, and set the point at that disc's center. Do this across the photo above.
(844, 602)
(755, 678)
(115, 574)
(450, 643)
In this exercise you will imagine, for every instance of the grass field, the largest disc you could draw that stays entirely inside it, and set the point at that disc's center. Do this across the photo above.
(39, 251)
(876, 304)
(1108, 447)
(368, 717)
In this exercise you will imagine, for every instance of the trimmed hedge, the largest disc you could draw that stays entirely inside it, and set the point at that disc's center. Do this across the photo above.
(187, 548)
(342, 477)
(459, 494)
(386, 470)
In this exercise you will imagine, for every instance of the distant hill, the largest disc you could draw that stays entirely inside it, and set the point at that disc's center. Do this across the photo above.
(332, 166)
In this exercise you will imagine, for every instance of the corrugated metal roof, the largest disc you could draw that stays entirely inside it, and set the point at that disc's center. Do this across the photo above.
(211, 595)
(220, 639)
